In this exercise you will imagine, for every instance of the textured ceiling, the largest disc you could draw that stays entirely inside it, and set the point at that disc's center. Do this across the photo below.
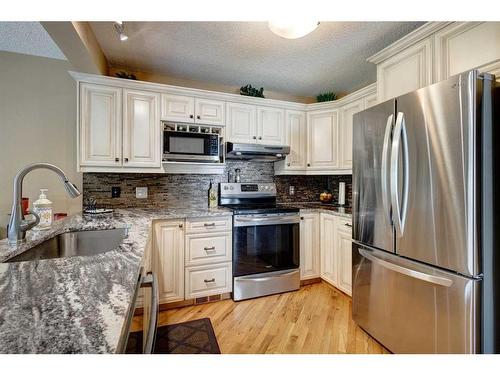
(29, 38)
(333, 57)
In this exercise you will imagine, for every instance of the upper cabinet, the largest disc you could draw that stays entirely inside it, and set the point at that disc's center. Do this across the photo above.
(323, 141)
(241, 123)
(296, 138)
(100, 122)
(466, 45)
(407, 71)
(189, 109)
(141, 129)
(346, 114)
(255, 124)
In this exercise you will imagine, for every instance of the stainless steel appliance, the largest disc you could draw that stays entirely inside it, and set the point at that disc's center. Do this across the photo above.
(265, 240)
(192, 143)
(423, 215)
(253, 151)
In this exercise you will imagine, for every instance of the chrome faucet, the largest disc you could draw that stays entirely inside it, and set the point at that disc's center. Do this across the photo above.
(17, 224)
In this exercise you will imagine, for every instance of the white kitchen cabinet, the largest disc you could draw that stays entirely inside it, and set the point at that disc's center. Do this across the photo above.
(329, 269)
(270, 126)
(343, 249)
(405, 71)
(100, 123)
(322, 140)
(296, 138)
(345, 132)
(210, 112)
(141, 129)
(168, 260)
(205, 249)
(177, 108)
(309, 246)
(461, 46)
(241, 123)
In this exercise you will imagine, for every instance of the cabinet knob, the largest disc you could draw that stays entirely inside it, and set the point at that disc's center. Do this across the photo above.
(288, 164)
(191, 116)
(198, 117)
(308, 164)
(254, 137)
(260, 138)
(126, 160)
(117, 159)
(180, 225)
(302, 218)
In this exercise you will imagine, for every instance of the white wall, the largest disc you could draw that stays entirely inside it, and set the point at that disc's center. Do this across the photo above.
(37, 124)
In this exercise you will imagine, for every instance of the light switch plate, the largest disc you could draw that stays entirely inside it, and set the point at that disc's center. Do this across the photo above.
(141, 192)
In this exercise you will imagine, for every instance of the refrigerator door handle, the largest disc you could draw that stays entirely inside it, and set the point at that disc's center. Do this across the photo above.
(383, 169)
(399, 210)
(443, 281)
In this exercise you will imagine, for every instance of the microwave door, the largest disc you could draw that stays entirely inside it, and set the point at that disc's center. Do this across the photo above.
(372, 223)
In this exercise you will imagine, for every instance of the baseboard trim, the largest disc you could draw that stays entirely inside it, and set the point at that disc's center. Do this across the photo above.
(310, 281)
(187, 302)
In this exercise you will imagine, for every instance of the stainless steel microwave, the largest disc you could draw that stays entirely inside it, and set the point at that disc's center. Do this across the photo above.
(193, 143)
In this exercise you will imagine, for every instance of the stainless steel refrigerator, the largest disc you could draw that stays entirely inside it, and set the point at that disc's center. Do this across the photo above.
(424, 208)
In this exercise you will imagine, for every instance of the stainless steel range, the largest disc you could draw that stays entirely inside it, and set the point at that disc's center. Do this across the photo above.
(265, 240)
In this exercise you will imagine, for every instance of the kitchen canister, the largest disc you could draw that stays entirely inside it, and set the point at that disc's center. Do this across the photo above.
(341, 193)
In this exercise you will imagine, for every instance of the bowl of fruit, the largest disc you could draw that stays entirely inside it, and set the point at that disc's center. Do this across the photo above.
(326, 197)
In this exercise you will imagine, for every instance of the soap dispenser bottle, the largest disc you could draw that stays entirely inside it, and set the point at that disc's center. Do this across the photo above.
(212, 195)
(43, 207)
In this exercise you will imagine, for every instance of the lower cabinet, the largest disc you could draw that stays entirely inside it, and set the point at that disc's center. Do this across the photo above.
(335, 246)
(309, 246)
(192, 258)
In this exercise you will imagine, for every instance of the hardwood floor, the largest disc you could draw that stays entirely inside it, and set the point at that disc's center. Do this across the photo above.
(315, 319)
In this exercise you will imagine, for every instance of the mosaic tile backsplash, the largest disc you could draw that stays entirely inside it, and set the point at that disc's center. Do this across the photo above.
(186, 190)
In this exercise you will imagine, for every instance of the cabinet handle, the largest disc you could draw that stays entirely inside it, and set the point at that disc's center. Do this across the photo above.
(198, 117)
(117, 159)
(209, 225)
(191, 116)
(212, 280)
(210, 248)
(348, 225)
(180, 225)
(126, 160)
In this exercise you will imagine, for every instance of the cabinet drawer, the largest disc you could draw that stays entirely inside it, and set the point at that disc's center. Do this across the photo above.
(202, 281)
(209, 224)
(202, 249)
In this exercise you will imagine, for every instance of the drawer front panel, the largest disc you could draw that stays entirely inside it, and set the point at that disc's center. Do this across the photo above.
(202, 281)
(209, 224)
(201, 249)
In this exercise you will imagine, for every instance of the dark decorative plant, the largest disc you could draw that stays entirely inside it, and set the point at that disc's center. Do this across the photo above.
(125, 75)
(248, 90)
(326, 97)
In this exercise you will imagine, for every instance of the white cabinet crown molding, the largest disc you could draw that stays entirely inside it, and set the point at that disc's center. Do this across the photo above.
(361, 93)
(408, 40)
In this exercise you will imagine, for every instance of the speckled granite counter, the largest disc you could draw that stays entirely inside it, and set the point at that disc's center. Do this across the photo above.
(77, 304)
(321, 207)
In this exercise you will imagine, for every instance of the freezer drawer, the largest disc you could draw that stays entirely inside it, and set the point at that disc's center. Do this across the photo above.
(412, 308)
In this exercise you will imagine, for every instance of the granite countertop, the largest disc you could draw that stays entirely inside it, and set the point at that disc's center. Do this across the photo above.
(321, 207)
(77, 304)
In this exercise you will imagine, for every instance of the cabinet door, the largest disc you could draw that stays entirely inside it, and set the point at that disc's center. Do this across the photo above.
(345, 138)
(141, 129)
(461, 46)
(407, 71)
(329, 269)
(100, 125)
(241, 123)
(322, 140)
(343, 249)
(270, 126)
(210, 112)
(309, 246)
(296, 138)
(168, 261)
(177, 108)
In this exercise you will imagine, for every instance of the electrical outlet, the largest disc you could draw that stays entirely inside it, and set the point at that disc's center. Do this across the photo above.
(141, 192)
(291, 190)
(116, 192)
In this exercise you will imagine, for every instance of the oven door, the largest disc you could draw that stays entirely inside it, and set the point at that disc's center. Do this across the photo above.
(265, 243)
(186, 146)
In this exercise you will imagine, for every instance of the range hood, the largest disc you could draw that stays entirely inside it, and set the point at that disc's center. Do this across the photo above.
(252, 151)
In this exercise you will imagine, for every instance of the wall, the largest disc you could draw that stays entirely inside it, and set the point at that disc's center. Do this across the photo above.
(37, 123)
(191, 190)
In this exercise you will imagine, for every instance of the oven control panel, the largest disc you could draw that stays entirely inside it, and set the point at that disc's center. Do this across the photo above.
(248, 189)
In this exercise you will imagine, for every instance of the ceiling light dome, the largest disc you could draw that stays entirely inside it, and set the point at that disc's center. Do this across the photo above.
(292, 29)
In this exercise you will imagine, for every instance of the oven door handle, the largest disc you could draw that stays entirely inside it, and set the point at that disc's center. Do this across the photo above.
(242, 222)
(266, 278)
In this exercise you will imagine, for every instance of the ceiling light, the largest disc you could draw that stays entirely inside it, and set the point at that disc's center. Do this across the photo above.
(292, 29)
(120, 29)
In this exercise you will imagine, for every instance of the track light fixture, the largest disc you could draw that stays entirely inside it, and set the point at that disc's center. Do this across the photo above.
(120, 29)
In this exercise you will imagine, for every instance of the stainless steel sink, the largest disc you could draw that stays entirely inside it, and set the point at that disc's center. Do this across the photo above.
(71, 244)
